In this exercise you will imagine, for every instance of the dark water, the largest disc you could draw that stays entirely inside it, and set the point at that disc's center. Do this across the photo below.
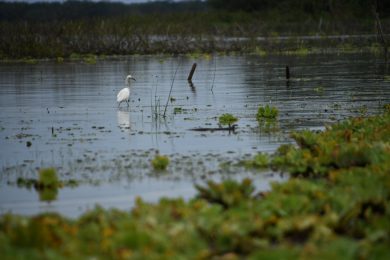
(69, 114)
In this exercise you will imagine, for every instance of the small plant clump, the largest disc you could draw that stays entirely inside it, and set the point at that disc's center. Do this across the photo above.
(267, 112)
(177, 110)
(47, 184)
(48, 178)
(227, 119)
(160, 162)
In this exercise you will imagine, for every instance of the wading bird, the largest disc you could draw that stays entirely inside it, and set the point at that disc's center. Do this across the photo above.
(124, 94)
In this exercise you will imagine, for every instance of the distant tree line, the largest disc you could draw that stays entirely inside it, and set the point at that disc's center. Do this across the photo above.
(75, 9)
(50, 30)
(356, 7)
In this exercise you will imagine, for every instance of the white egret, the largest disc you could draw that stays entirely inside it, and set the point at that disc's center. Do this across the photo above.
(124, 94)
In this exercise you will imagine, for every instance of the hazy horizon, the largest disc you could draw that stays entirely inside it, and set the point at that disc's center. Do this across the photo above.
(122, 1)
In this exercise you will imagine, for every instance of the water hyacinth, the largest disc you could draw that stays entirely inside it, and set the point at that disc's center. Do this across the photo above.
(337, 208)
(267, 112)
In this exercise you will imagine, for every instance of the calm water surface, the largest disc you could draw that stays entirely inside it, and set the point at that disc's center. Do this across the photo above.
(69, 114)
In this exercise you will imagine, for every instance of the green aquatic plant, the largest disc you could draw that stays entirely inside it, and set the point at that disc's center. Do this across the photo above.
(353, 143)
(259, 161)
(386, 107)
(228, 193)
(48, 178)
(90, 59)
(267, 112)
(47, 184)
(177, 110)
(160, 162)
(227, 119)
(48, 194)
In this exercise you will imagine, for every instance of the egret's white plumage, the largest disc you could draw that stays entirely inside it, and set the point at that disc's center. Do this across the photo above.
(124, 94)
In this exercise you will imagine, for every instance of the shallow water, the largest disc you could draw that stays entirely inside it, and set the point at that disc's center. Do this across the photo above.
(69, 114)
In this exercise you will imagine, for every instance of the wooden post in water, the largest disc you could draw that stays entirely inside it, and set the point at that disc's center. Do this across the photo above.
(191, 72)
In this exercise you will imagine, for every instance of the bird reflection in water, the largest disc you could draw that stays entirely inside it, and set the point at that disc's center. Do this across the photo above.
(123, 116)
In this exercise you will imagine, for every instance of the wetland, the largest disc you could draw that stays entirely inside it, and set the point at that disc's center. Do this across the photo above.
(64, 115)
(278, 148)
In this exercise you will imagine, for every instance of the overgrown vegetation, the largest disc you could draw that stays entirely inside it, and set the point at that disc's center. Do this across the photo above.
(354, 143)
(338, 208)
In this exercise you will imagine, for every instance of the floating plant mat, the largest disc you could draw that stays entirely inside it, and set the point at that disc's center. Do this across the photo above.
(336, 205)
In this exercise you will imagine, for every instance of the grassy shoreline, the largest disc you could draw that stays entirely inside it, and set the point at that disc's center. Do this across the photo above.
(336, 205)
(181, 33)
(259, 46)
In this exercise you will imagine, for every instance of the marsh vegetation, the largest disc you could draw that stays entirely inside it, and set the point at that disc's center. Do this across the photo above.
(338, 208)
(75, 28)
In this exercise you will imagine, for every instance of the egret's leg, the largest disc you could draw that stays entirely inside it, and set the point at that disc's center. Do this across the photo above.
(127, 103)
(119, 104)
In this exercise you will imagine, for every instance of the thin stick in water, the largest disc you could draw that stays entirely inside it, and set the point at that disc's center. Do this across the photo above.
(215, 72)
(170, 91)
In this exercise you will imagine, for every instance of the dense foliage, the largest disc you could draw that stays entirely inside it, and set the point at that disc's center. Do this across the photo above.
(338, 208)
(347, 7)
(71, 10)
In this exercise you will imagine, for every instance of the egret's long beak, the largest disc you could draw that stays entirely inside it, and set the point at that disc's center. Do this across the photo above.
(133, 78)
